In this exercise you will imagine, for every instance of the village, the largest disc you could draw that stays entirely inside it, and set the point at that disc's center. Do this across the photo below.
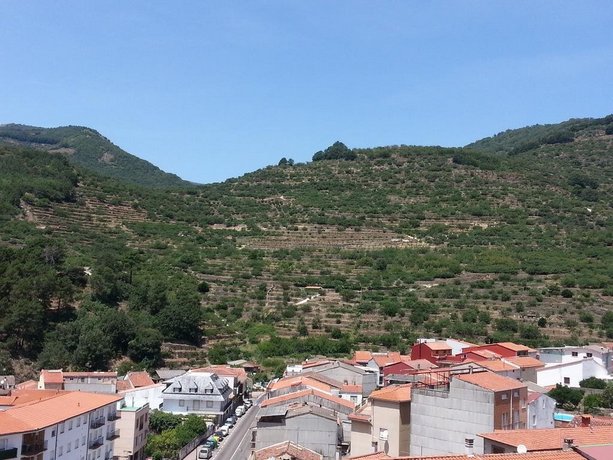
(447, 399)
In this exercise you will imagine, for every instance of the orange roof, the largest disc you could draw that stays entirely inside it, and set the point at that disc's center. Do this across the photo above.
(295, 451)
(497, 365)
(525, 361)
(552, 438)
(53, 408)
(491, 381)
(557, 455)
(419, 364)
(348, 388)
(362, 356)
(139, 379)
(52, 376)
(396, 393)
(300, 380)
(321, 362)
(224, 371)
(438, 345)
(303, 393)
(123, 385)
(513, 346)
(487, 354)
(27, 385)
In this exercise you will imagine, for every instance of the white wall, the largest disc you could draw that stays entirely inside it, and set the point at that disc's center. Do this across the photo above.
(540, 413)
(573, 371)
(138, 397)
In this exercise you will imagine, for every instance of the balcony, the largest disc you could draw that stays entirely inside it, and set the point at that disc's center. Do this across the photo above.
(29, 450)
(5, 454)
(114, 416)
(112, 435)
(97, 422)
(96, 443)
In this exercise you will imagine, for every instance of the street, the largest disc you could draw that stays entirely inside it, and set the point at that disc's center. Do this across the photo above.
(237, 445)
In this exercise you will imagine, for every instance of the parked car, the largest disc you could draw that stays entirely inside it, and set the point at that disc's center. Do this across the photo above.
(211, 442)
(220, 435)
(231, 421)
(248, 403)
(240, 411)
(205, 452)
(225, 430)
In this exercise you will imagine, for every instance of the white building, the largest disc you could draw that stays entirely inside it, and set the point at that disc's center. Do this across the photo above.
(571, 373)
(561, 355)
(540, 410)
(201, 393)
(53, 425)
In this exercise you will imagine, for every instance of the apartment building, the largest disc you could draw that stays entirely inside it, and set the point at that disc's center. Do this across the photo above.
(383, 423)
(58, 425)
(93, 382)
(444, 415)
(133, 426)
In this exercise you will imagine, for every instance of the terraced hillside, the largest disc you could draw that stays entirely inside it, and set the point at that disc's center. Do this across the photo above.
(396, 243)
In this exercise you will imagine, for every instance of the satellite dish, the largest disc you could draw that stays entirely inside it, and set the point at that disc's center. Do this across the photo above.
(521, 449)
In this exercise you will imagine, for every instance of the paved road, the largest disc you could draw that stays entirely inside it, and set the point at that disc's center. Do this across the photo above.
(237, 445)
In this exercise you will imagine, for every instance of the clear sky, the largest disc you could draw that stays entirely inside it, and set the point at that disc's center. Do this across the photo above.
(214, 89)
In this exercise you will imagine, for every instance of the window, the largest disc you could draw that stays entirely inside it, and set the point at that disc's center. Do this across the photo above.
(68, 447)
(181, 403)
(53, 433)
(589, 355)
(70, 425)
(575, 353)
(533, 419)
(375, 446)
(83, 441)
(566, 380)
(354, 399)
(60, 452)
(62, 427)
(3, 444)
(78, 421)
(516, 394)
(504, 396)
(209, 404)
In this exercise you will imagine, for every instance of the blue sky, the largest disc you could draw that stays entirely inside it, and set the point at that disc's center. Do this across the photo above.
(214, 89)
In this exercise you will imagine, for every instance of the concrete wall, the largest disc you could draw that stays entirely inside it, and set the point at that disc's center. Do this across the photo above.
(133, 427)
(441, 420)
(361, 438)
(395, 419)
(540, 412)
(138, 397)
(311, 431)
(368, 380)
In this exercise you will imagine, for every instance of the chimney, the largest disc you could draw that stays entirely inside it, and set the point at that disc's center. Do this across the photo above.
(567, 445)
(469, 447)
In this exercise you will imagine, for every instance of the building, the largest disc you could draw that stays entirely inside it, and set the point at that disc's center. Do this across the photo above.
(502, 349)
(444, 415)
(540, 410)
(316, 428)
(553, 455)
(516, 367)
(93, 382)
(383, 423)
(601, 353)
(320, 382)
(150, 395)
(435, 351)
(201, 393)
(133, 425)
(571, 373)
(58, 425)
(285, 450)
(345, 372)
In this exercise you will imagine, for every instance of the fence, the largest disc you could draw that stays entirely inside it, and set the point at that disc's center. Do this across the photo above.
(187, 448)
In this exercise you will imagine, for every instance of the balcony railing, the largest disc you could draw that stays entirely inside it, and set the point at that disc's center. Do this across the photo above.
(97, 422)
(114, 416)
(96, 443)
(112, 435)
(514, 426)
(33, 449)
(5, 454)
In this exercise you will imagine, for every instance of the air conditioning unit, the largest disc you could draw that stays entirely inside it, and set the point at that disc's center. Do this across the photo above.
(383, 434)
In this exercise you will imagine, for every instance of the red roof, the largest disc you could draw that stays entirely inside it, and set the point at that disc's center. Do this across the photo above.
(525, 361)
(513, 346)
(558, 455)
(491, 381)
(552, 438)
(52, 376)
(362, 356)
(438, 345)
(280, 450)
(395, 393)
(139, 379)
(303, 393)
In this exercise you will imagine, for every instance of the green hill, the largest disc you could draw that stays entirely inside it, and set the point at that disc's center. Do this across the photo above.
(89, 149)
(362, 248)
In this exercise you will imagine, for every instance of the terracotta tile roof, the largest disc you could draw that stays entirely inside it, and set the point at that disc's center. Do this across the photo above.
(52, 376)
(497, 365)
(53, 408)
(295, 451)
(27, 385)
(558, 455)
(321, 362)
(533, 396)
(397, 393)
(486, 354)
(348, 388)
(604, 452)
(304, 393)
(525, 361)
(224, 371)
(514, 346)
(123, 385)
(438, 345)
(491, 381)
(362, 356)
(139, 379)
(552, 438)
(306, 381)
(383, 360)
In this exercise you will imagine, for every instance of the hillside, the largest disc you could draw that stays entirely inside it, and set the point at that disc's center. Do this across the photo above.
(374, 249)
(87, 148)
